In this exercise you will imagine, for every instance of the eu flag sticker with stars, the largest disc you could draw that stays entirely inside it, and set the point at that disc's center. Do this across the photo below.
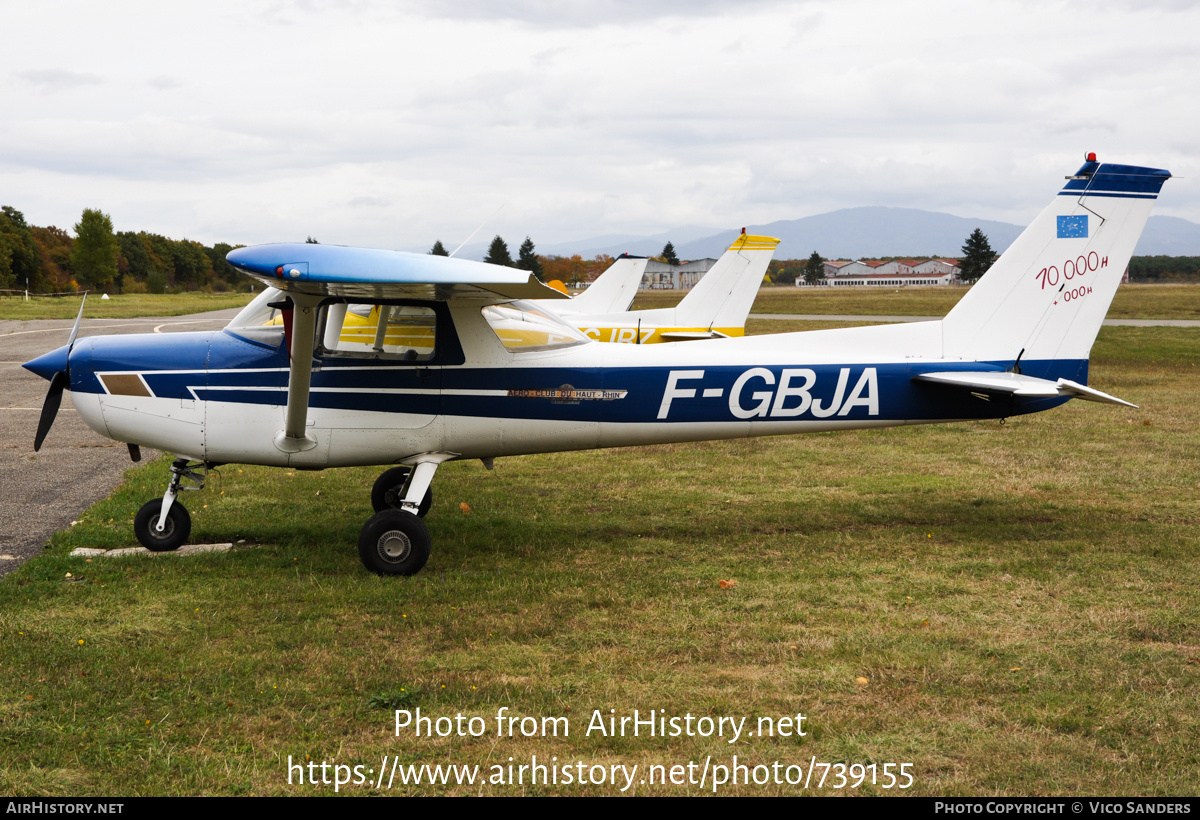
(1072, 227)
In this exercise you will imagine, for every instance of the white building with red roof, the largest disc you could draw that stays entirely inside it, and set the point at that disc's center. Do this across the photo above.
(897, 273)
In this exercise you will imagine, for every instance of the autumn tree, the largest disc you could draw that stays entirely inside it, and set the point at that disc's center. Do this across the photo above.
(162, 261)
(978, 256)
(94, 256)
(133, 263)
(785, 271)
(18, 254)
(192, 265)
(574, 270)
(528, 260)
(498, 253)
(224, 274)
(438, 249)
(54, 248)
(668, 254)
(814, 269)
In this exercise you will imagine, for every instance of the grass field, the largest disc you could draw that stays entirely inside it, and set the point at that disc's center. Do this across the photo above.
(1132, 301)
(1009, 608)
(120, 306)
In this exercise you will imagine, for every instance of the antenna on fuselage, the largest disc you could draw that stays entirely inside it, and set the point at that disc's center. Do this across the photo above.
(477, 230)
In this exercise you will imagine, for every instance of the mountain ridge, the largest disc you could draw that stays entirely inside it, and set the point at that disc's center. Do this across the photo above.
(854, 233)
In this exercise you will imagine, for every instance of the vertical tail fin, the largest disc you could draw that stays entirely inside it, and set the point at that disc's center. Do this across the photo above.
(722, 299)
(612, 292)
(1048, 293)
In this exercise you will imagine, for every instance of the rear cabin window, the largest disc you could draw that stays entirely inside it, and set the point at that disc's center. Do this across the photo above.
(405, 333)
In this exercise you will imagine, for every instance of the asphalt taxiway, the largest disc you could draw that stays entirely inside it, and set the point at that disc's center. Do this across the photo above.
(41, 493)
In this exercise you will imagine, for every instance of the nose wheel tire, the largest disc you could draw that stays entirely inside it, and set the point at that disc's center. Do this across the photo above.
(394, 542)
(175, 531)
(388, 491)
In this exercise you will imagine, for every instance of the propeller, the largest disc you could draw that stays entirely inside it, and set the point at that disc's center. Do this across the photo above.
(58, 382)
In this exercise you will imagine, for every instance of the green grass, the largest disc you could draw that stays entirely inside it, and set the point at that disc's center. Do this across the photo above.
(1132, 301)
(125, 306)
(1020, 598)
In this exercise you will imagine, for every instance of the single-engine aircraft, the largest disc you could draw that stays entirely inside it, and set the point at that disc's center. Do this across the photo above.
(474, 371)
(716, 307)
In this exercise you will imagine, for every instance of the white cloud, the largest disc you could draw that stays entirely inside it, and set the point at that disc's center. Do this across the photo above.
(392, 125)
(51, 80)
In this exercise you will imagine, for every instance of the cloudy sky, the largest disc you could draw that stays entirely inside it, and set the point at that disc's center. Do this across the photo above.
(391, 124)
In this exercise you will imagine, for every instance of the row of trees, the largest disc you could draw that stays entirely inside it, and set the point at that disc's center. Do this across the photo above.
(47, 260)
(977, 258)
(50, 260)
(573, 270)
(788, 271)
(1164, 268)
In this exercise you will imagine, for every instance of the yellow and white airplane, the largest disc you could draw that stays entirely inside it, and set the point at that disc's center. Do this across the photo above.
(715, 308)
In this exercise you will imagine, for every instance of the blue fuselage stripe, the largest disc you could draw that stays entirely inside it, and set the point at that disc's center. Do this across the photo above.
(249, 374)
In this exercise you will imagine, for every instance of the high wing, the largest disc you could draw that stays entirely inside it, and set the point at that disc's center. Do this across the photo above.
(366, 273)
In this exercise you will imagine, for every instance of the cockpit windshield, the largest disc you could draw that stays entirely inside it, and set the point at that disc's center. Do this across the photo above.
(258, 320)
(522, 327)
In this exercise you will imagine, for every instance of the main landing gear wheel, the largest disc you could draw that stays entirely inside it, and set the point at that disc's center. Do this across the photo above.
(394, 542)
(388, 491)
(175, 531)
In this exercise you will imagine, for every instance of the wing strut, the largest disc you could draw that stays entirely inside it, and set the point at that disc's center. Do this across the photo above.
(294, 438)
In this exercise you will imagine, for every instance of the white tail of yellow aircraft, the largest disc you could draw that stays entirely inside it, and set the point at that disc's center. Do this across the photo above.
(716, 307)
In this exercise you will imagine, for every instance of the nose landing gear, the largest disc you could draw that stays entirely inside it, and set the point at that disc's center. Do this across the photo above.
(163, 524)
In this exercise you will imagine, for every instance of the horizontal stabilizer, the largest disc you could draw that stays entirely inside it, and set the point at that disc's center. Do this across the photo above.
(1020, 385)
(690, 335)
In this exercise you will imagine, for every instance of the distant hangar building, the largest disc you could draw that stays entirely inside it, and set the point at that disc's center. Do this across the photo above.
(662, 276)
(897, 273)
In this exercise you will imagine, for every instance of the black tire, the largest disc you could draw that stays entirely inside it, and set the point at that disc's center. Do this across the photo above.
(389, 488)
(394, 542)
(174, 536)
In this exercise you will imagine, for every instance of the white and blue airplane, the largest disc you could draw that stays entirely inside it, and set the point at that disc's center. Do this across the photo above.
(462, 367)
